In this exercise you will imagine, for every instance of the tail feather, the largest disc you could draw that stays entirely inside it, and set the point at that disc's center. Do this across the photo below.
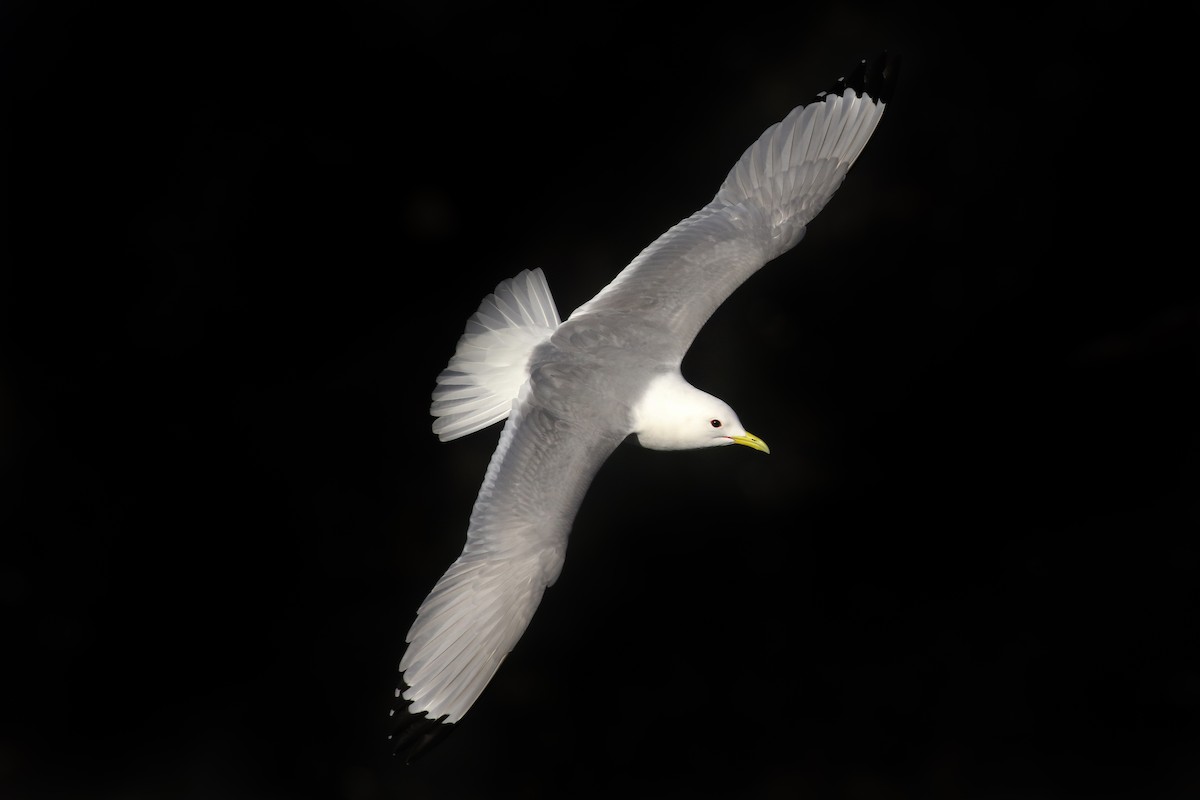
(489, 366)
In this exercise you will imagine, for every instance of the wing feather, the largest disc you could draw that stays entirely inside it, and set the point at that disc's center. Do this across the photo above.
(515, 546)
(762, 210)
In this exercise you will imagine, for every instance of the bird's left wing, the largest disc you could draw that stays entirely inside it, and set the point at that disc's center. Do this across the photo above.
(761, 210)
(516, 542)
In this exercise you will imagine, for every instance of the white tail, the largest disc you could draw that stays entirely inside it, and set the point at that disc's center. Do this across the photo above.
(490, 363)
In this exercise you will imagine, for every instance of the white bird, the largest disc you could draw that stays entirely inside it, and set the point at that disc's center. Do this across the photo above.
(572, 391)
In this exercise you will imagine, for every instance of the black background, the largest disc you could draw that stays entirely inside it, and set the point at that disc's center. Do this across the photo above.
(239, 243)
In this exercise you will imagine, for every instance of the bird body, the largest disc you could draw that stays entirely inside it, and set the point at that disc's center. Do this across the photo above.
(572, 391)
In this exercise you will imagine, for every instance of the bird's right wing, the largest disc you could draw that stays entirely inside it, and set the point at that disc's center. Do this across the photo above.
(516, 542)
(762, 209)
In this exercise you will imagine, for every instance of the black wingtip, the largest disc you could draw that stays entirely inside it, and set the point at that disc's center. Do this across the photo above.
(417, 734)
(875, 80)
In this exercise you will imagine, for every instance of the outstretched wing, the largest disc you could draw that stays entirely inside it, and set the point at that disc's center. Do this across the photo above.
(515, 546)
(781, 182)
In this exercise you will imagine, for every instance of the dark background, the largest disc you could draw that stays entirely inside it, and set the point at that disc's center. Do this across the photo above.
(240, 241)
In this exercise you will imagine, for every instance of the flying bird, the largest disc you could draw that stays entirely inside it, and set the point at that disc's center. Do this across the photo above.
(573, 391)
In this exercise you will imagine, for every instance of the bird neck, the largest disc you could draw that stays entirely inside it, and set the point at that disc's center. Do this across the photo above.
(660, 416)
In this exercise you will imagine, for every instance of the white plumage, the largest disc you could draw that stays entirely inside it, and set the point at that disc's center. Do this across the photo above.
(481, 381)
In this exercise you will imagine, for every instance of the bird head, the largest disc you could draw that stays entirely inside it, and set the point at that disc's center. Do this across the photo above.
(674, 415)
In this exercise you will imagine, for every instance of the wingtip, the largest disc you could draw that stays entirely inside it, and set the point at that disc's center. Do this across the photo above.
(416, 734)
(876, 79)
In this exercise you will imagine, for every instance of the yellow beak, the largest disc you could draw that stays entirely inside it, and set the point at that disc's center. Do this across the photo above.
(750, 440)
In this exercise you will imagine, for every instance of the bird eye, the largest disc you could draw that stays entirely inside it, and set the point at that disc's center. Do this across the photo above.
(716, 423)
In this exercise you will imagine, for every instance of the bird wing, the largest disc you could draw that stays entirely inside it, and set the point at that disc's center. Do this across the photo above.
(761, 210)
(516, 542)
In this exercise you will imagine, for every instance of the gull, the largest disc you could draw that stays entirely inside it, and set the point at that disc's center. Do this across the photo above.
(572, 391)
